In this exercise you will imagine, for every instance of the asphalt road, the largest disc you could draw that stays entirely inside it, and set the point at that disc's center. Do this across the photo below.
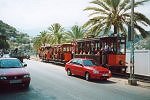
(50, 82)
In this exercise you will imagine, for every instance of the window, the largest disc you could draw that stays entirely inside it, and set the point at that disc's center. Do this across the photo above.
(74, 61)
(89, 63)
(79, 62)
(10, 63)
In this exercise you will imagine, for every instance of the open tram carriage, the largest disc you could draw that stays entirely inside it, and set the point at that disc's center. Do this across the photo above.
(109, 52)
(56, 53)
(62, 53)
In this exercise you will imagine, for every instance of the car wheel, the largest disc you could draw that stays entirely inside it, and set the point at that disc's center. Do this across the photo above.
(69, 72)
(87, 76)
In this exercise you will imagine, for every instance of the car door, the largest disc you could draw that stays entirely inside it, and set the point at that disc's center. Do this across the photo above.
(79, 67)
(73, 65)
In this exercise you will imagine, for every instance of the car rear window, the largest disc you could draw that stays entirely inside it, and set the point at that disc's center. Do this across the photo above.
(10, 63)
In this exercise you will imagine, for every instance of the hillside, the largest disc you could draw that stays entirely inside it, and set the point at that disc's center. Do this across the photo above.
(7, 30)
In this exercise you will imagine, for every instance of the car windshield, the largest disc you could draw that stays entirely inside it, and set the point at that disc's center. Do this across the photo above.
(89, 63)
(10, 63)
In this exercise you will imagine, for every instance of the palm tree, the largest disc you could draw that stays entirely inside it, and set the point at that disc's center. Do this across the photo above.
(57, 32)
(41, 40)
(75, 33)
(108, 14)
(36, 43)
(44, 38)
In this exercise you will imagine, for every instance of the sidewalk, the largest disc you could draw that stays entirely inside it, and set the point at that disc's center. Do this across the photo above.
(123, 81)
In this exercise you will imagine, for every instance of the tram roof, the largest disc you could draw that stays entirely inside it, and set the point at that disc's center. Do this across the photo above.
(45, 46)
(99, 39)
(64, 44)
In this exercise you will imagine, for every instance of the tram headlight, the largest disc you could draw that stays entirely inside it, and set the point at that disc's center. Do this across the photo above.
(123, 69)
(121, 62)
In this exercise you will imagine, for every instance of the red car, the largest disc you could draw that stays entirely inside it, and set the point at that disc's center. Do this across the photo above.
(13, 72)
(87, 68)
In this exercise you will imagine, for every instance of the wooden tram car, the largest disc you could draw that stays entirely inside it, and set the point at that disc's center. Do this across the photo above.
(56, 53)
(63, 53)
(43, 52)
(109, 52)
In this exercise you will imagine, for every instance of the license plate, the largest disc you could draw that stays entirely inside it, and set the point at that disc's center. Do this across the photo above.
(105, 75)
(15, 81)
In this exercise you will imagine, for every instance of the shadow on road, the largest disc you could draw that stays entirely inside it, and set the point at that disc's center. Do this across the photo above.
(103, 81)
(96, 81)
(13, 90)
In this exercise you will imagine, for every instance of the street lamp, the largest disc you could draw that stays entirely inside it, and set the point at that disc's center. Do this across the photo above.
(132, 80)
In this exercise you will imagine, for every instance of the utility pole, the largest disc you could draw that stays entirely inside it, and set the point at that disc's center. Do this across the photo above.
(132, 80)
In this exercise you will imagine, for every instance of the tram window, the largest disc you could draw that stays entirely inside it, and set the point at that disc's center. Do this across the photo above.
(97, 46)
(122, 48)
(68, 49)
(64, 49)
(88, 45)
(115, 48)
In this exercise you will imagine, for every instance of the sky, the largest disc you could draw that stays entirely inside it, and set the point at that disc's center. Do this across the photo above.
(34, 16)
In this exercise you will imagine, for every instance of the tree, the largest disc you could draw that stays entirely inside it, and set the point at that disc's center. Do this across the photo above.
(57, 32)
(115, 13)
(22, 38)
(40, 40)
(4, 44)
(36, 43)
(43, 38)
(7, 30)
(75, 33)
(143, 44)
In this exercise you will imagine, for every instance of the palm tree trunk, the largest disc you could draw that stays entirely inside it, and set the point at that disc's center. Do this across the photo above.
(115, 30)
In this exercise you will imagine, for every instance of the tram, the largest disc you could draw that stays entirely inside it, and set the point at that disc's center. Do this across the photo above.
(56, 53)
(109, 52)
(44, 53)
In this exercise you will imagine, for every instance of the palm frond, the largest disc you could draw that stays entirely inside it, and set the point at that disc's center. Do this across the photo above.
(108, 26)
(96, 13)
(93, 8)
(123, 4)
(141, 30)
(122, 28)
(101, 4)
(141, 2)
(115, 3)
(108, 13)
(136, 4)
(96, 29)
(140, 17)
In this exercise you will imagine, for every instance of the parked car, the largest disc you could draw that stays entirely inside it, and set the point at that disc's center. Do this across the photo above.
(87, 68)
(13, 72)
